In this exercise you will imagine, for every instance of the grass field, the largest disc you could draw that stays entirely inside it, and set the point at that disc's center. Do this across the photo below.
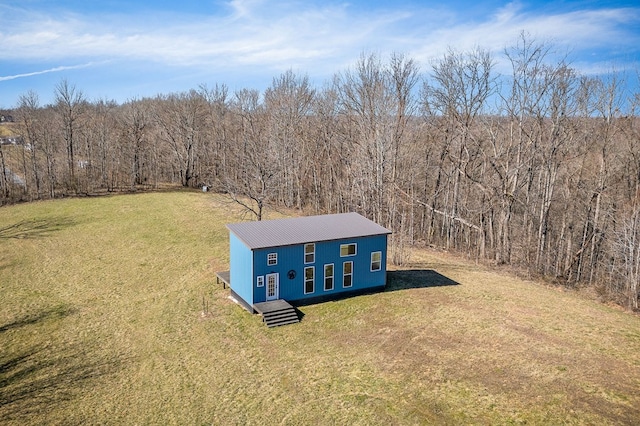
(111, 315)
(8, 129)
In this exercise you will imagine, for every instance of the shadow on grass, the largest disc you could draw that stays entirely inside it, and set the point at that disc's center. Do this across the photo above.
(36, 380)
(416, 278)
(299, 313)
(44, 315)
(36, 228)
(38, 377)
(396, 280)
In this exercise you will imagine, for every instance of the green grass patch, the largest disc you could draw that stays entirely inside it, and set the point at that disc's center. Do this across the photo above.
(102, 322)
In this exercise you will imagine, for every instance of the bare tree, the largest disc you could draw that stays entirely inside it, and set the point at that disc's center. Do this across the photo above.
(252, 181)
(28, 110)
(328, 155)
(403, 76)
(4, 178)
(70, 104)
(181, 118)
(523, 106)
(365, 104)
(627, 249)
(287, 106)
(135, 124)
(456, 96)
(215, 161)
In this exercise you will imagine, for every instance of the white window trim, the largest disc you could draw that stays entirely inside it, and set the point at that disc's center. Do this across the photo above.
(260, 281)
(272, 259)
(313, 279)
(355, 251)
(371, 264)
(313, 253)
(349, 274)
(332, 276)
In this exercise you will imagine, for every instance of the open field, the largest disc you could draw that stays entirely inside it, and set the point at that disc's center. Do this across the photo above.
(8, 129)
(102, 322)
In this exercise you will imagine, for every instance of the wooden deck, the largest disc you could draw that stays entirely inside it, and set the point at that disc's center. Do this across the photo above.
(271, 306)
(225, 277)
(277, 312)
(274, 313)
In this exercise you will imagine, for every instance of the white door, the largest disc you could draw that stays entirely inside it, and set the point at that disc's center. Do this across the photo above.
(273, 285)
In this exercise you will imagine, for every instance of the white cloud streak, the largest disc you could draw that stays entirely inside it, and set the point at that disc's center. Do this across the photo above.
(47, 71)
(252, 34)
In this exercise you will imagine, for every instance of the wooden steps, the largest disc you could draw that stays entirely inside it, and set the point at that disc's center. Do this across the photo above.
(284, 317)
(277, 313)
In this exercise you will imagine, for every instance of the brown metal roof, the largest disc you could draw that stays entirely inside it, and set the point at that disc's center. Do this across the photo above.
(307, 229)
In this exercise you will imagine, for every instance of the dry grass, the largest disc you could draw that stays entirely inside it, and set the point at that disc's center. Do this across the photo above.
(8, 129)
(102, 322)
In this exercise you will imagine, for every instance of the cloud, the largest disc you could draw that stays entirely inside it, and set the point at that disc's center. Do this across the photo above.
(47, 71)
(571, 32)
(244, 8)
(272, 35)
(253, 32)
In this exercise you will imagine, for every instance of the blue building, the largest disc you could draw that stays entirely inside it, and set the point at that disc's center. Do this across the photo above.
(306, 259)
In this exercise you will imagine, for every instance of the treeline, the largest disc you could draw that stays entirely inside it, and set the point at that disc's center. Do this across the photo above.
(539, 168)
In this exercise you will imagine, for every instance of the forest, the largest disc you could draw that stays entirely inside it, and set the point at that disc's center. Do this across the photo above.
(538, 168)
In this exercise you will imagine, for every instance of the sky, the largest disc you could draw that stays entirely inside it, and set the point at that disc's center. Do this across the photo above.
(125, 50)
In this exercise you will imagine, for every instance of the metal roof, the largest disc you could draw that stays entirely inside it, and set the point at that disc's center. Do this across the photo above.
(306, 229)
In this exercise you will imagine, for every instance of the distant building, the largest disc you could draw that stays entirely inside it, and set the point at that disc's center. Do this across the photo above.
(11, 140)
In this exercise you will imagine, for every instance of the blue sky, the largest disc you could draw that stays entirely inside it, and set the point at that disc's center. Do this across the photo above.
(122, 50)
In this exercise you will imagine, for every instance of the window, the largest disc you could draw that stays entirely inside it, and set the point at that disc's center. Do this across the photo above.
(376, 261)
(260, 281)
(272, 259)
(308, 279)
(347, 250)
(309, 253)
(328, 277)
(347, 274)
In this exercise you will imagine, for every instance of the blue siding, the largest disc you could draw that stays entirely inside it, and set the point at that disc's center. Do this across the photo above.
(241, 269)
(291, 258)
